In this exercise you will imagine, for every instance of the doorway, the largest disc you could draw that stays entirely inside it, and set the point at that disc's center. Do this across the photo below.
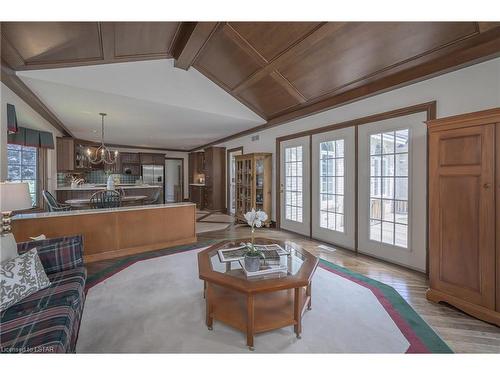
(231, 179)
(174, 178)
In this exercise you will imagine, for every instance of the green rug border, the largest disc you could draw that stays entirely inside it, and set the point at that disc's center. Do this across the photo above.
(423, 331)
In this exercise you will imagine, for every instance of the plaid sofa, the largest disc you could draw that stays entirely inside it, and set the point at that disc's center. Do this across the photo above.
(48, 321)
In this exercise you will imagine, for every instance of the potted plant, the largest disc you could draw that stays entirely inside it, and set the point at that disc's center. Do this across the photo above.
(252, 256)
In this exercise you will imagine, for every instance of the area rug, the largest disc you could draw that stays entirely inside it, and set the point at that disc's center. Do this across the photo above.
(154, 304)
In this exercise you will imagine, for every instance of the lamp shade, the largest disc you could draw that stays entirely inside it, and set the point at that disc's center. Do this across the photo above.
(14, 196)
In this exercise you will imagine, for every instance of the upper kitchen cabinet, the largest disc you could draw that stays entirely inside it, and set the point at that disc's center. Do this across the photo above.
(152, 159)
(65, 154)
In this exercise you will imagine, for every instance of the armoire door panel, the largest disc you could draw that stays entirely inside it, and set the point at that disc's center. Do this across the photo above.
(462, 213)
(497, 183)
(460, 209)
(451, 150)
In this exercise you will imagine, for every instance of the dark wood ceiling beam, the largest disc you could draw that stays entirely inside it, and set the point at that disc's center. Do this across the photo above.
(291, 89)
(485, 26)
(482, 47)
(189, 42)
(10, 55)
(323, 30)
(107, 35)
(13, 82)
(244, 45)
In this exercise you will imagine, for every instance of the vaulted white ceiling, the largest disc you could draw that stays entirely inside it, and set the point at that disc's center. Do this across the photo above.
(149, 103)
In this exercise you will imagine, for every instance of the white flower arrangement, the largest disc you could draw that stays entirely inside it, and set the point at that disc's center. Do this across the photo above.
(255, 219)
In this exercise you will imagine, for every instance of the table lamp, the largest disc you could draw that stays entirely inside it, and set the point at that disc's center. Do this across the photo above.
(14, 196)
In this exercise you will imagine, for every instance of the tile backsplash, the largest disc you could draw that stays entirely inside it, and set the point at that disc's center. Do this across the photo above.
(95, 177)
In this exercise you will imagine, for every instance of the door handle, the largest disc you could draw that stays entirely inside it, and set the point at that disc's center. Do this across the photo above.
(487, 185)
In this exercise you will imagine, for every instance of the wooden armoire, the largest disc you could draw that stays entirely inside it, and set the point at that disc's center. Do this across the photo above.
(464, 213)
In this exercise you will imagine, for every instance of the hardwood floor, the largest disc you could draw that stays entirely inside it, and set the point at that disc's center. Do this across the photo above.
(461, 332)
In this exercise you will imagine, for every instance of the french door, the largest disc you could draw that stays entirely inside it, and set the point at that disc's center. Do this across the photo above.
(295, 185)
(318, 199)
(392, 190)
(333, 179)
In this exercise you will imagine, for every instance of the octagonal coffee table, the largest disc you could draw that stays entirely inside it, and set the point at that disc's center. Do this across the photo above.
(257, 304)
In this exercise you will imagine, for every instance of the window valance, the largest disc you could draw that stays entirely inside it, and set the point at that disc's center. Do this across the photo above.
(32, 138)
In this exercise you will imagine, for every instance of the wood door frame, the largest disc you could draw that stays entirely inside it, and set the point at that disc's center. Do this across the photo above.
(430, 108)
(228, 175)
(182, 174)
(497, 198)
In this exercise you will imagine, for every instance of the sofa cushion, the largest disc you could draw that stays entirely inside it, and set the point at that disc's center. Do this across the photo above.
(57, 254)
(20, 277)
(46, 321)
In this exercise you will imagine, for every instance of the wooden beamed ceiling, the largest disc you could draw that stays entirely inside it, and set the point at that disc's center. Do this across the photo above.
(281, 70)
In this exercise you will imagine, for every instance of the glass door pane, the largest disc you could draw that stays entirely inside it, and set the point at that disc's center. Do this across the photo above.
(332, 183)
(392, 200)
(295, 180)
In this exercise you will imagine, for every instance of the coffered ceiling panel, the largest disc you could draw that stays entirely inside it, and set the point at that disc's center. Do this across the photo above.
(226, 61)
(143, 38)
(361, 49)
(267, 96)
(272, 38)
(49, 42)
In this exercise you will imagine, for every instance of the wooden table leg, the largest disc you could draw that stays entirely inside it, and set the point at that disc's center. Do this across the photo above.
(309, 295)
(209, 308)
(298, 312)
(250, 321)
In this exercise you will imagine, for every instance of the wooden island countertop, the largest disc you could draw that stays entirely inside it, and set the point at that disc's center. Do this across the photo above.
(114, 232)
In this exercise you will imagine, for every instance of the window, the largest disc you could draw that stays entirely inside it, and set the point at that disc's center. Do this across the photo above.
(389, 187)
(293, 184)
(331, 177)
(23, 167)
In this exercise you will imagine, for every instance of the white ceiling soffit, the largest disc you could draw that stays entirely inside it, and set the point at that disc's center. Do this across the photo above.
(149, 103)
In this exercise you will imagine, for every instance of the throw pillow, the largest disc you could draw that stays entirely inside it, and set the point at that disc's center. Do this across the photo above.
(21, 277)
(8, 247)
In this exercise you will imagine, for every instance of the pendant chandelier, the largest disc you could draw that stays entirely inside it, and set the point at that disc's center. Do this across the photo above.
(102, 154)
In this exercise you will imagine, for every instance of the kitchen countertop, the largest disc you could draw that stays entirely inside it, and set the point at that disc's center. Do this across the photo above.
(197, 184)
(40, 215)
(103, 186)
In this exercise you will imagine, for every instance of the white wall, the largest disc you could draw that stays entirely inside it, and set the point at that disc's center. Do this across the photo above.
(467, 90)
(29, 118)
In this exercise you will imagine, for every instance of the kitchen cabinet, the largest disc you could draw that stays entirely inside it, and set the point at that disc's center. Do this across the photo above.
(214, 163)
(129, 158)
(65, 147)
(152, 159)
(464, 213)
(198, 196)
(208, 167)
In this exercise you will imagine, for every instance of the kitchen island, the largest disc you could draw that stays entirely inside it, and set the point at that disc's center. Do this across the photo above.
(114, 232)
(85, 191)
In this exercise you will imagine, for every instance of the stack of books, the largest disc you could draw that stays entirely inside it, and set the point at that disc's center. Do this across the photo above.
(271, 262)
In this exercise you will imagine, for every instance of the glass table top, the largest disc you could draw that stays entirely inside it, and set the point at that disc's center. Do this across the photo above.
(291, 263)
